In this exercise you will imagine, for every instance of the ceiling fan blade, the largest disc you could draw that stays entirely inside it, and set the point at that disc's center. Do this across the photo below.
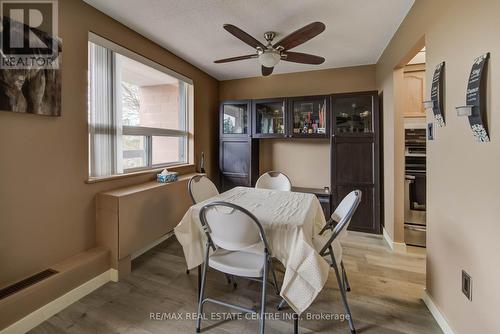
(304, 58)
(301, 36)
(227, 60)
(240, 34)
(267, 71)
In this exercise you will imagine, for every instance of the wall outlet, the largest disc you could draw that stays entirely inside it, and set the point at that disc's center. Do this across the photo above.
(466, 285)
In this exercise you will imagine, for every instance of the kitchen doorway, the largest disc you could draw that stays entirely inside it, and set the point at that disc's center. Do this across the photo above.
(415, 193)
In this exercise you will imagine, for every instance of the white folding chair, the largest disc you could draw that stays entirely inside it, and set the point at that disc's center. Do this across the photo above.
(328, 242)
(201, 188)
(331, 234)
(274, 180)
(240, 248)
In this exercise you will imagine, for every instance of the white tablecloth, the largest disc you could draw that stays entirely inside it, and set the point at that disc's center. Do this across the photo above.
(290, 220)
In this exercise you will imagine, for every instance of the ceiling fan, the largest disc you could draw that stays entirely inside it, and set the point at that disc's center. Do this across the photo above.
(269, 55)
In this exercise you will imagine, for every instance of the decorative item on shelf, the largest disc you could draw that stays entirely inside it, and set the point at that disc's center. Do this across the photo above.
(365, 118)
(165, 176)
(281, 129)
(202, 163)
(321, 125)
(436, 102)
(475, 108)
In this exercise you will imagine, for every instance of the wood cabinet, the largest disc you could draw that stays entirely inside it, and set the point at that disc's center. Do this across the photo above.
(351, 121)
(414, 92)
(238, 153)
(355, 155)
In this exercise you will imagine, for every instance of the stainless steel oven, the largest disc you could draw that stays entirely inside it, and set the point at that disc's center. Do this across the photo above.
(415, 186)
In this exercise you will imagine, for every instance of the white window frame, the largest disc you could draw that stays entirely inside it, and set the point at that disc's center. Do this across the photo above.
(149, 132)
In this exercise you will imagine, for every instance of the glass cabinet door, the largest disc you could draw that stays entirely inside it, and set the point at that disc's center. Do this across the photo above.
(269, 118)
(235, 119)
(353, 114)
(309, 116)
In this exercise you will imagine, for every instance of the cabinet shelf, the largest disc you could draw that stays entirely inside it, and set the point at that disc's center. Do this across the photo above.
(301, 117)
(235, 118)
(269, 118)
(309, 116)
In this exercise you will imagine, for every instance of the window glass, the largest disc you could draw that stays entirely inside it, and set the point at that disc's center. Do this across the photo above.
(150, 98)
(134, 152)
(167, 149)
(138, 113)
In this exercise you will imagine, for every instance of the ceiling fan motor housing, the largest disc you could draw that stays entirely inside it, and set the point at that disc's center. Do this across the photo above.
(269, 36)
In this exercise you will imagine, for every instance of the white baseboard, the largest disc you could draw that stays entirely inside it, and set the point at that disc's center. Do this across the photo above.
(45, 312)
(395, 246)
(399, 247)
(113, 275)
(440, 319)
(387, 238)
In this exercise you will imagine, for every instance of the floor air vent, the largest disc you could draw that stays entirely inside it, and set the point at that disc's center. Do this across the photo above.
(16, 287)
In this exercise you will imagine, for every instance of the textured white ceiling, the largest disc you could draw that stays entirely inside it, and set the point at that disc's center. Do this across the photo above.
(357, 31)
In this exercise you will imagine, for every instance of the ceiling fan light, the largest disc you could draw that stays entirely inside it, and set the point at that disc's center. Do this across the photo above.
(269, 58)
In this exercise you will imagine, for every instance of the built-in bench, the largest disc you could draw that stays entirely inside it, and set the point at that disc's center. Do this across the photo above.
(131, 219)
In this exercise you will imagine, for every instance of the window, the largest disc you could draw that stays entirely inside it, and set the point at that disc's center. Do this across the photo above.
(139, 112)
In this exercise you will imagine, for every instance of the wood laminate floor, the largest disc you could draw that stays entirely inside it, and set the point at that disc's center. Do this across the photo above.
(385, 297)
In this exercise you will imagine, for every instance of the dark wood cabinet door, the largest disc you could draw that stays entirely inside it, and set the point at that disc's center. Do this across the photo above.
(229, 181)
(235, 119)
(238, 162)
(238, 153)
(234, 163)
(355, 156)
(353, 169)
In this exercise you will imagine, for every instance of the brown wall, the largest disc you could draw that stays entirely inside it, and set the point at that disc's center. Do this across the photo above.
(47, 211)
(306, 162)
(463, 183)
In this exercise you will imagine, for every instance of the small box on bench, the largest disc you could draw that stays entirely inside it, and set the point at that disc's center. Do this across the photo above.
(166, 176)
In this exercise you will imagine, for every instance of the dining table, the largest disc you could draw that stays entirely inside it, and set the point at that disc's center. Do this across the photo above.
(292, 222)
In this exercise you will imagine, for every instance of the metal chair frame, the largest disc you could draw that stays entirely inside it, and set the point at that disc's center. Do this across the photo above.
(327, 250)
(267, 263)
(341, 276)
